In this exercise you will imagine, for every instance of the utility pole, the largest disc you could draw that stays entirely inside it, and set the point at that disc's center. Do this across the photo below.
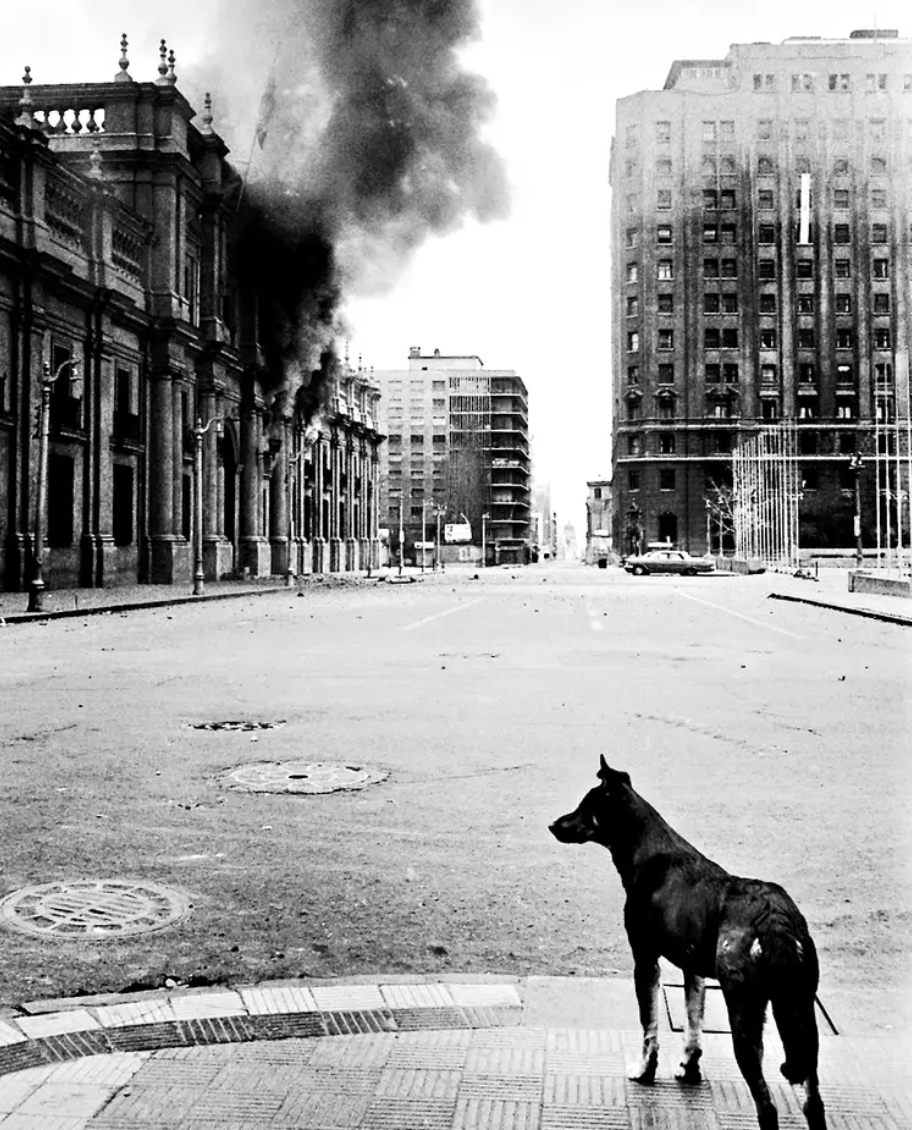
(855, 465)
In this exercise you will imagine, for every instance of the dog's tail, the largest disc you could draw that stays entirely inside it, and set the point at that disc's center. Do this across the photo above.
(793, 972)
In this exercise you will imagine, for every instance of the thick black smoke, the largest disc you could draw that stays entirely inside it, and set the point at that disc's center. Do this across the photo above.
(372, 142)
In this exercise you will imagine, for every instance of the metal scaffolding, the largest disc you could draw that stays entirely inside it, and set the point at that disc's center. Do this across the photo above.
(766, 488)
(892, 473)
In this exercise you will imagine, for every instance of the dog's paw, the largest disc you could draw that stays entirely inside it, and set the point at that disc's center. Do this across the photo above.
(643, 1070)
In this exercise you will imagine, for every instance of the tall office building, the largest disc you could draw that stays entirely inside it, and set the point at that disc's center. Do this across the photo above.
(458, 443)
(761, 272)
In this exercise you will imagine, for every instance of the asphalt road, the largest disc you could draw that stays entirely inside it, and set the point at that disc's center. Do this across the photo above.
(775, 736)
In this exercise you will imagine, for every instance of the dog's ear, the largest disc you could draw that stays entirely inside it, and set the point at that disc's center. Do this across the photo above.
(611, 776)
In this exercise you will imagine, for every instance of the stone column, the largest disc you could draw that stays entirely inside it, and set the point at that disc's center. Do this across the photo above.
(161, 479)
(250, 539)
(319, 534)
(280, 547)
(350, 532)
(335, 539)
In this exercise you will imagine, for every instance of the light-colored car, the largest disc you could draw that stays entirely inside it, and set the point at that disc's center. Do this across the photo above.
(668, 561)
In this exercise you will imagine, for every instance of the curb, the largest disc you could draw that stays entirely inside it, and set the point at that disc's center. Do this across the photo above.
(886, 617)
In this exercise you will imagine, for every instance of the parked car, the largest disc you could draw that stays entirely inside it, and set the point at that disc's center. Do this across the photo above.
(668, 561)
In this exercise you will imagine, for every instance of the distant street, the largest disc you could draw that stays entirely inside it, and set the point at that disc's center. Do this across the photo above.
(773, 735)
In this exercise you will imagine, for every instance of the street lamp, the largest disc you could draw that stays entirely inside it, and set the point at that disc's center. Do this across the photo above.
(484, 531)
(855, 465)
(199, 429)
(36, 585)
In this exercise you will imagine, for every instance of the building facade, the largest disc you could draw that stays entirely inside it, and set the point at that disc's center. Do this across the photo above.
(761, 212)
(458, 446)
(116, 288)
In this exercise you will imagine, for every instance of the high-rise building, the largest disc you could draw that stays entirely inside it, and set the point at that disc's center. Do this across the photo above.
(761, 272)
(458, 443)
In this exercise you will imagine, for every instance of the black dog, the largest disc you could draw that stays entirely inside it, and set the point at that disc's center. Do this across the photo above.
(747, 934)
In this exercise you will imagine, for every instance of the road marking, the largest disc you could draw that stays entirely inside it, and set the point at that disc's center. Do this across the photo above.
(740, 615)
(445, 612)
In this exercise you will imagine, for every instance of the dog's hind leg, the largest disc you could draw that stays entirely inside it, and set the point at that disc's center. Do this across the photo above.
(746, 1012)
(646, 980)
(694, 999)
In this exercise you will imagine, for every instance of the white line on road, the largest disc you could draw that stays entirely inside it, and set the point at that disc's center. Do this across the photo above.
(740, 615)
(445, 612)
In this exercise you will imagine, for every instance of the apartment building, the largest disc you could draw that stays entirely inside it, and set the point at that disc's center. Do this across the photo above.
(761, 271)
(458, 446)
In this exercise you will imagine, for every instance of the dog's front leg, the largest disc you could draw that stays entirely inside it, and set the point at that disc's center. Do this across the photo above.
(646, 980)
(694, 1000)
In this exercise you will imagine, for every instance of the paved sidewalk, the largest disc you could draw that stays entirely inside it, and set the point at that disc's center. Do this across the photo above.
(829, 588)
(457, 1053)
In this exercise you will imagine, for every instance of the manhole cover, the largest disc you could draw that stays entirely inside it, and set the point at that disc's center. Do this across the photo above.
(92, 909)
(245, 725)
(304, 777)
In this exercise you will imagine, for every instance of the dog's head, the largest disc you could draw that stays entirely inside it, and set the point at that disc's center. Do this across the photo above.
(591, 818)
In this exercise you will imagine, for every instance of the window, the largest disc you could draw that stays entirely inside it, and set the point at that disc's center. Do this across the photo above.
(807, 373)
(845, 410)
(844, 373)
(712, 303)
(417, 441)
(765, 129)
(807, 410)
(633, 306)
(631, 237)
(597, 493)
(769, 375)
(802, 129)
(709, 168)
(712, 374)
(878, 233)
(663, 131)
(766, 166)
(727, 130)
(883, 373)
(633, 272)
(122, 504)
(810, 478)
(881, 304)
(663, 233)
(766, 198)
(632, 202)
(666, 478)
(875, 83)
(633, 375)
(60, 495)
(729, 268)
(880, 268)
(766, 233)
(630, 168)
(842, 268)
(878, 198)
(666, 443)
(438, 386)
(768, 338)
(663, 167)
(804, 269)
(665, 269)
(802, 82)
(802, 165)
(630, 139)
(844, 337)
(766, 269)
(881, 337)
(722, 443)
(729, 166)
(633, 342)
(634, 445)
(709, 131)
(770, 408)
(806, 338)
(710, 233)
(633, 480)
(633, 408)
(666, 339)
(767, 303)
(730, 374)
(665, 406)
(843, 303)
(841, 166)
(711, 268)
(847, 443)
(712, 337)
(840, 82)
(729, 339)
(710, 199)
(841, 199)
(841, 233)
(727, 198)
(878, 166)
(805, 304)
(666, 374)
(665, 303)
(764, 83)
(728, 233)
(663, 199)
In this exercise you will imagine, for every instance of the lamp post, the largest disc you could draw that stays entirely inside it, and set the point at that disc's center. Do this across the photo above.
(439, 512)
(855, 465)
(36, 585)
(484, 533)
(401, 540)
(199, 430)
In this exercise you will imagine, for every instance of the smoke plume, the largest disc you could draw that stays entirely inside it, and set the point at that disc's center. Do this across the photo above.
(371, 142)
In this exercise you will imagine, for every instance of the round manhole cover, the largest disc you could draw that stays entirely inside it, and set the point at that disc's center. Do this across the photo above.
(90, 909)
(304, 777)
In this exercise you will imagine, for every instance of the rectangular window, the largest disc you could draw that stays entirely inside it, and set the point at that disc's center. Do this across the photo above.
(710, 199)
(663, 131)
(769, 375)
(709, 131)
(633, 374)
(729, 303)
(842, 303)
(633, 272)
(665, 303)
(765, 129)
(768, 338)
(630, 139)
(878, 233)
(844, 373)
(807, 373)
(766, 166)
(631, 237)
(878, 166)
(633, 480)
(666, 443)
(712, 303)
(880, 268)
(727, 198)
(842, 268)
(805, 303)
(841, 233)
(729, 339)
(633, 409)
(666, 339)
(845, 337)
(667, 478)
(633, 342)
(666, 407)
(766, 269)
(770, 408)
(729, 269)
(883, 373)
(632, 203)
(840, 82)
(841, 199)
(802, 129)
(666, 374)
(806, 338)
(766, 233)
(766, 198)
(845, 410)
(711, 268)
(841, 166)
(881, 304)
(730, 374)
(665, 269)
(710, 233)
(728, 233)
(122, 504)
(713, 374)
(634, 445)
(663, 199)
(61, 500)
(663, 167)
(712, 337)
(767, 303)
(633, 306)
(663, 233)
(727, 130)
(878, 198)
(804, 269)
(882, 338)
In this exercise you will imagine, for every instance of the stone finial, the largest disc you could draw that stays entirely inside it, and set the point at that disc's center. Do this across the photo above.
(95, 172)
(122, 75)
(206, 127)
(172, 77)
(26, 117)
(163, 65)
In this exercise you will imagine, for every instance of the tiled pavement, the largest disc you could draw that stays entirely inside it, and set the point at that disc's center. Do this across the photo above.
(455, 1054)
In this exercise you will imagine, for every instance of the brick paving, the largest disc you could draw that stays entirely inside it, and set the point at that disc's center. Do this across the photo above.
(466, 1053)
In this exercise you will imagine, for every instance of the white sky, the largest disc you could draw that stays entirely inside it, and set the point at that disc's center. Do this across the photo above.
(529, 293)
